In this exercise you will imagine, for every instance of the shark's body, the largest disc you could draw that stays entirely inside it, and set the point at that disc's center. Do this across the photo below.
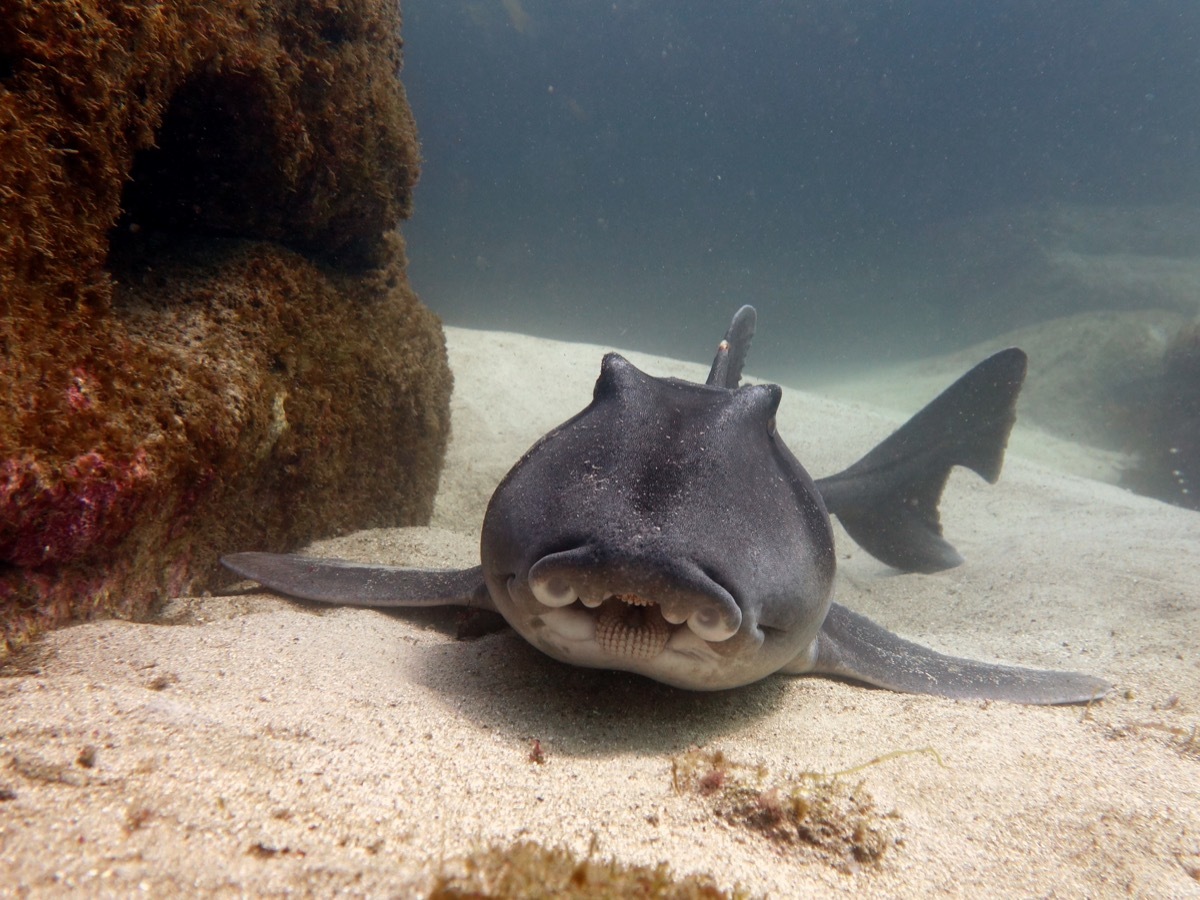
(667, 530)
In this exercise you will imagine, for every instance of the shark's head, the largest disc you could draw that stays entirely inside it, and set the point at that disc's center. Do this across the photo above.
(664, 530)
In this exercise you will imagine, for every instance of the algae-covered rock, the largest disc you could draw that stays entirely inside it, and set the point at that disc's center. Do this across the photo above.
(207, 338)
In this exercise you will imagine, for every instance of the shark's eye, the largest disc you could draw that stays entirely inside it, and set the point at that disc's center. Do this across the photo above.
(771, 426)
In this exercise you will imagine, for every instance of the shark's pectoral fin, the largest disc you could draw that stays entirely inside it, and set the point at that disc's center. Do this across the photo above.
(852, 646)
(358, 584)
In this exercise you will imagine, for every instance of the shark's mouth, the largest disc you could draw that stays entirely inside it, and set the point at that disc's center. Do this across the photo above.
(627, 624)
(632, 627)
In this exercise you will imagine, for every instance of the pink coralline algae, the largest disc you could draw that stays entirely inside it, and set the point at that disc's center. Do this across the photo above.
(82, 390)
(52, 514)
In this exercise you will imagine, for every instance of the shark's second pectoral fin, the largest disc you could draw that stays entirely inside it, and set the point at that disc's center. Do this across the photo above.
(359, 584)
(852, 646)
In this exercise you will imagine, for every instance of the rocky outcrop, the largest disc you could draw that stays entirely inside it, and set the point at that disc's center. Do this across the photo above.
(207, 339)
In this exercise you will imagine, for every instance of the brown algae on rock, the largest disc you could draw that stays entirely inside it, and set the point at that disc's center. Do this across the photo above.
(207, 335)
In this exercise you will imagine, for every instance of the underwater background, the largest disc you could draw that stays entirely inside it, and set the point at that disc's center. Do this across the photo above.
(884, 181)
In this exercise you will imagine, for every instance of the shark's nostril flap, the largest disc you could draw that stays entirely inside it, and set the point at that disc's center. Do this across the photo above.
(553, 590)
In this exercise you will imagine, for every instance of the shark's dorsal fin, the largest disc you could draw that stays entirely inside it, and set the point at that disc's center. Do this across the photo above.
(731, 355)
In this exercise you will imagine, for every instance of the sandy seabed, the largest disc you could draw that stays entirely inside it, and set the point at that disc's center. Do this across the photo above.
(251, 745)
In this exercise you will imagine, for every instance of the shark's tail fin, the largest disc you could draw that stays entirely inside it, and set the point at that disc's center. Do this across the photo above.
(888, 500)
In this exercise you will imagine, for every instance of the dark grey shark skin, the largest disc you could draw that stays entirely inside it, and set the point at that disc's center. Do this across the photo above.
(667, 530)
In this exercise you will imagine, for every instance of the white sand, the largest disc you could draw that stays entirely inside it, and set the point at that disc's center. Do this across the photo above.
(254, 745)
